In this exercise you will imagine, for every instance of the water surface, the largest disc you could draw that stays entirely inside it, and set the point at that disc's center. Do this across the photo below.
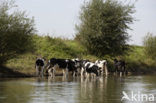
(75, 90)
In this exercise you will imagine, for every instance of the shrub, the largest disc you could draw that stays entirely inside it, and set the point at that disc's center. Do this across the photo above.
(103, 27)
(15, 31)
(150, 46)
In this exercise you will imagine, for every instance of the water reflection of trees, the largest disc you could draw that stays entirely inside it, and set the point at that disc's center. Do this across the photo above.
(15, 91)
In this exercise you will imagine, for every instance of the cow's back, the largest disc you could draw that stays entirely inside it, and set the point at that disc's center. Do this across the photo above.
(39, 62)
(60, 62)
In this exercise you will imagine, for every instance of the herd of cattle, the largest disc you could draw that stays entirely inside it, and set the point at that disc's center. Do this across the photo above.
(84, 68)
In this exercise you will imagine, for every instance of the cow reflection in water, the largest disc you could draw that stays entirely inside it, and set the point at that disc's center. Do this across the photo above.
(93, 89)
(58, 78)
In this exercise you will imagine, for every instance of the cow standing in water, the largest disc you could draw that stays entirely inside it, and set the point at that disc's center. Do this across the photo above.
(65, 65)
(120, 66)
(39, 65)
(102, 64)
(91, 68)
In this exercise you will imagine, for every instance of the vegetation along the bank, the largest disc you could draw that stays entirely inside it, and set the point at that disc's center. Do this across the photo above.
(101, 34)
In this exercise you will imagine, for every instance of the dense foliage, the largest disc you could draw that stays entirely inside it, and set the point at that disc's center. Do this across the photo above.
(103, 26)
(15, 31)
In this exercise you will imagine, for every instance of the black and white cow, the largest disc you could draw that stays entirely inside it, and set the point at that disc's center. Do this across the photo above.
(102, 64)
(79, 64)
(81, 67)
(120, 66)
(39, 65)
(91, 68)
(65, 65)
(73, 66)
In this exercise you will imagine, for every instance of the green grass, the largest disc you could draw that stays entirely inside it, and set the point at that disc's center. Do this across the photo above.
(62, 48)
(23, 63)
(56, 47)
(137, 60)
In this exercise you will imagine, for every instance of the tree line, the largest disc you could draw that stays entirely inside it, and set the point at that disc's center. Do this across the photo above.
(102, 29)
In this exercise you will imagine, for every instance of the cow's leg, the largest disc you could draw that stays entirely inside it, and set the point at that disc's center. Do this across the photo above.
(77, 72)
(125, 70)
(50, 72)
(82, 71)
(42, 71)
(106, 70)
(93, 75)
(101, 72)
(121, 71)
(73, 73)
(87, 75)
(66, 71)
(63, 72)
(37, 70)
(47, 67)
(120, 74)
(54, 72)
(116, 70)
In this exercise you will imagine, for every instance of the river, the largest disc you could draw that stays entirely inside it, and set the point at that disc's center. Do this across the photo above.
(109, 89)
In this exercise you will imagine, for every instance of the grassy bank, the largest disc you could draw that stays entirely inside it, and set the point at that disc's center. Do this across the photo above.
(49, 47)
(138, 62)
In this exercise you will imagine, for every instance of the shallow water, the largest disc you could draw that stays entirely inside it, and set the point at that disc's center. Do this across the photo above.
(76, 90)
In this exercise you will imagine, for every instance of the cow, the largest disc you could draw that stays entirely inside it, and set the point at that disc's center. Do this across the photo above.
(102, 64)
(65, 65)
(91, 68)
(73, 66)
(39, 66)
(120, 66)
(78, 65)
(82, 68)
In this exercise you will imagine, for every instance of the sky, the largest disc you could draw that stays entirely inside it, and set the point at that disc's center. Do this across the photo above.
(57, 18)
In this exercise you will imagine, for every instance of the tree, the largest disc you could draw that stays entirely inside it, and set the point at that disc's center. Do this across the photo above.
(103, 26)
(150, 45)
(15, 31)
